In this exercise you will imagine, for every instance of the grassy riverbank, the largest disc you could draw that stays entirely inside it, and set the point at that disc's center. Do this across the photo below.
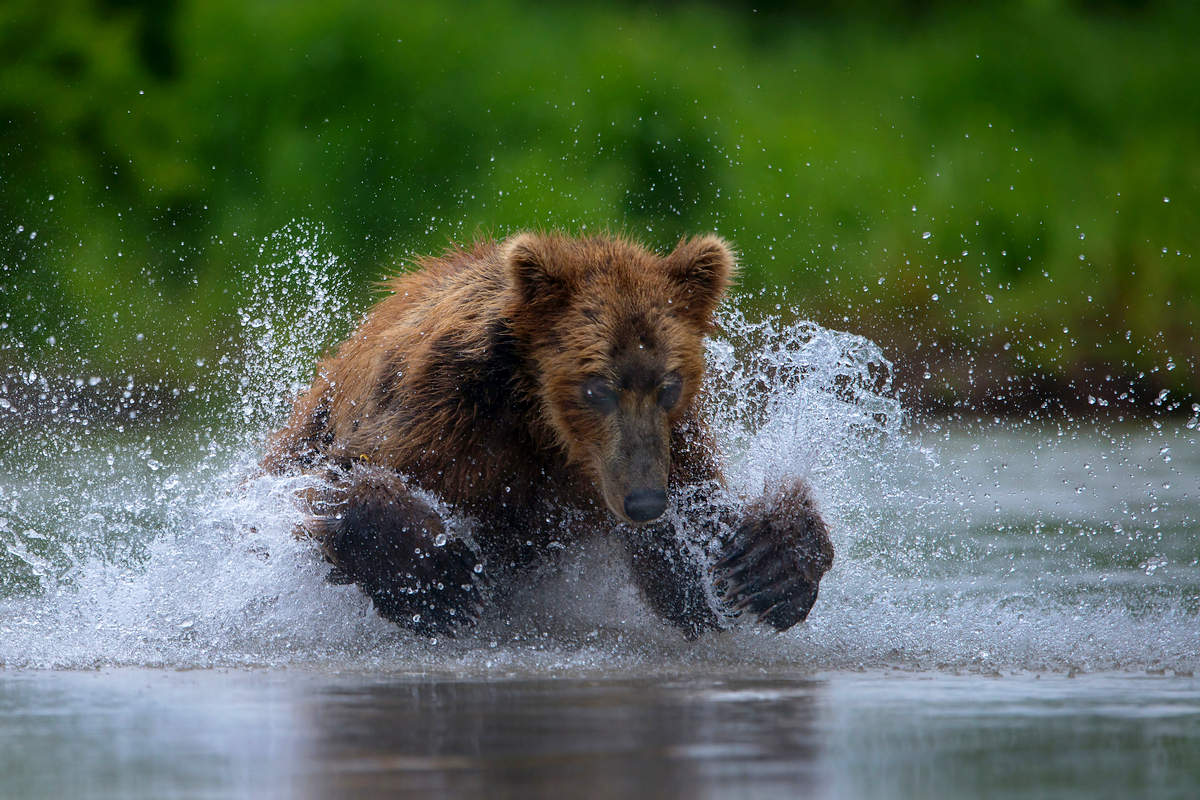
(1005, 197)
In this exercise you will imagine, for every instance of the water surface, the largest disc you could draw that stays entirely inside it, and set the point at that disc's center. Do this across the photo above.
(287, 733)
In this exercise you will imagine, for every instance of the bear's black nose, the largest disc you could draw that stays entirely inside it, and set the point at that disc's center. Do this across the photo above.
(645, 504)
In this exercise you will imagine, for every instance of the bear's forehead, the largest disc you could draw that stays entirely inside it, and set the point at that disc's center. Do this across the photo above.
(623, 314)
(639, 368)
(618, 267)
(646, 346)
(612, 255)
(640, 327)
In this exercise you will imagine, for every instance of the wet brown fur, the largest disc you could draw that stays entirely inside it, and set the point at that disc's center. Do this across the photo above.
(465, 381)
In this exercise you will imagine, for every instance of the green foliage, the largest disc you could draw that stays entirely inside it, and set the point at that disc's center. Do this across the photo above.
(1013, 161)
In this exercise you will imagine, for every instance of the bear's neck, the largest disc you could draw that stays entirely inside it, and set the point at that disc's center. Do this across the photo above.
(496, 417)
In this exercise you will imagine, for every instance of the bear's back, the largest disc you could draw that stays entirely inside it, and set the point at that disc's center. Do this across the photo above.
(429, 375)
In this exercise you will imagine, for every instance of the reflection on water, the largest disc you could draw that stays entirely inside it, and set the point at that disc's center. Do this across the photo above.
(555, 738)
(142, 733)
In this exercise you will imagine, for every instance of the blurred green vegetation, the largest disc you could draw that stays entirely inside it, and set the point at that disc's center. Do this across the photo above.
(1005, 196)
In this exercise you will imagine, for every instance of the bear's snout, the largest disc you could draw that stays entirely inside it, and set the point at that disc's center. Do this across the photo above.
(645, 505)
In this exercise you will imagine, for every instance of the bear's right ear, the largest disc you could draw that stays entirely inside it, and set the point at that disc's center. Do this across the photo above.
(536, 273)
(702, 269)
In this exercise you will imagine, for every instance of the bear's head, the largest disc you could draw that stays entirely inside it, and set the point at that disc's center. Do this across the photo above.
(612, 336)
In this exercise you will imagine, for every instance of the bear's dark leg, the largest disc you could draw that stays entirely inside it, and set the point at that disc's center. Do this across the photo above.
(773, 563)
(671, 580)
(394, 546)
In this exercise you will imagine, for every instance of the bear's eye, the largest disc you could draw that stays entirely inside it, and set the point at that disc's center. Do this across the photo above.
(600, 395)
(669, 391)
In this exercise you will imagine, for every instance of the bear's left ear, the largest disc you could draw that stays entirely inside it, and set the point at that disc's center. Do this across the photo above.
(536, 269)
(703, 268)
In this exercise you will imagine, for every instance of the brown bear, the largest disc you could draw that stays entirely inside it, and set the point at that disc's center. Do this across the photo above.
(544, 387)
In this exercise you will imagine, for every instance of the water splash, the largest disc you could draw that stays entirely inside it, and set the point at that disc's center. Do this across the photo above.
(292, 306)
(957, 548)
(798, 398)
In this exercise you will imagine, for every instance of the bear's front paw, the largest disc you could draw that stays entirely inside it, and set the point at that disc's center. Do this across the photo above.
(395, 547)
(774, 562)
(437, 592)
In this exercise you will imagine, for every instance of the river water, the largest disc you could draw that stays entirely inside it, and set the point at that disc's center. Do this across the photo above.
(1015, 610)
(328, 733)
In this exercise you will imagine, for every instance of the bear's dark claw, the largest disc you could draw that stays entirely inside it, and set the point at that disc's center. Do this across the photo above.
(792, 609)
(780, 604)
(744, 561)
(773, 564)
